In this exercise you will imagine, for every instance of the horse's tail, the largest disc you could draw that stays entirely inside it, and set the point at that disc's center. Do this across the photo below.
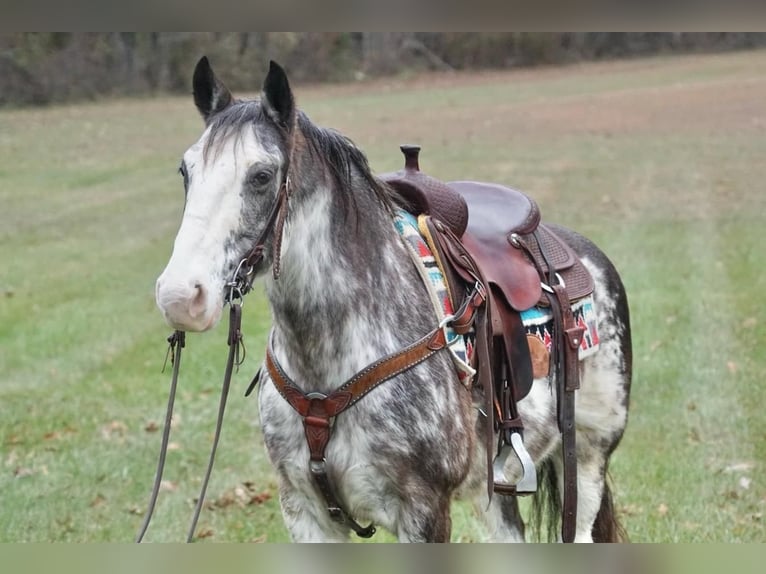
(545, 515)
(607, 527)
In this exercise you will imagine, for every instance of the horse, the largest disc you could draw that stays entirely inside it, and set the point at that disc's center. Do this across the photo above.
(343, 293)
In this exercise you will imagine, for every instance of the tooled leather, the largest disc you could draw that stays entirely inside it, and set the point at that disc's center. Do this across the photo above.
(430, 196)
(317, 432)
(578, 280)
(360, 384)
(426, 194)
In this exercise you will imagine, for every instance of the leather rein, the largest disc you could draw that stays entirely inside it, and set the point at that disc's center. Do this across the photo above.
(316, 409)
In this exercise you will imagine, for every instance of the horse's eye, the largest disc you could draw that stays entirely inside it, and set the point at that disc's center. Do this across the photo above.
(184, 174)
(261, 177)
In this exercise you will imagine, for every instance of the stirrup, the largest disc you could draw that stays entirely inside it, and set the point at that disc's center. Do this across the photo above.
(528, 482)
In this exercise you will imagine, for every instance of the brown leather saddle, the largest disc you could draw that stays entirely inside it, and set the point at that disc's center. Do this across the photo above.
(492, 222)
(491, 236)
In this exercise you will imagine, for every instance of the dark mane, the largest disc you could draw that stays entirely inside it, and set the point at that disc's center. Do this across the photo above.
(342, 157)
(338, 153)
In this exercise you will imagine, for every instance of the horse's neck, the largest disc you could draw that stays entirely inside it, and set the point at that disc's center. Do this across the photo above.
(339, 301)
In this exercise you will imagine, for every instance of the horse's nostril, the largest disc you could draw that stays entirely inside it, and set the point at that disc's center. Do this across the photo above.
(198, 302)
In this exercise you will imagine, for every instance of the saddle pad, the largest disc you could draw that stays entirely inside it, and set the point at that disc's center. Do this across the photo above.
(538, 322)
(460, 347)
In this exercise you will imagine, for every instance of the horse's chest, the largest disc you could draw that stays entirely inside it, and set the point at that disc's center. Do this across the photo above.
(348, 450)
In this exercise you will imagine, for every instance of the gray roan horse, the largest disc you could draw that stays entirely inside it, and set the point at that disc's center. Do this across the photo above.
(347, 294)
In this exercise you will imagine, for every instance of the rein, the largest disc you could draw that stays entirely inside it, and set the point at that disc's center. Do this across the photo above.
(239, 286)
(236, 355)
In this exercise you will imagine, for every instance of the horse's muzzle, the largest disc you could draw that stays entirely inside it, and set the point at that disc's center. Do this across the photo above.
(187, 305)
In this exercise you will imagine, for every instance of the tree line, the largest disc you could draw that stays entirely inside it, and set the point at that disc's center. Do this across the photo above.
(44, 68)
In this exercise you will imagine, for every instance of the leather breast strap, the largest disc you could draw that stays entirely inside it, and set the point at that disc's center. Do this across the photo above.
(317, 409)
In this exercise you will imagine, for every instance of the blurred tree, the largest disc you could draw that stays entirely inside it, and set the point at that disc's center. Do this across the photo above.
(40, 68)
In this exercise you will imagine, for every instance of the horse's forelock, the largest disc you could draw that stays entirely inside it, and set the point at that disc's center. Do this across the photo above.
(231, 123)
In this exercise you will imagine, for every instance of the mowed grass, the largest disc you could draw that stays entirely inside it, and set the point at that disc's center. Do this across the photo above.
(661, 161)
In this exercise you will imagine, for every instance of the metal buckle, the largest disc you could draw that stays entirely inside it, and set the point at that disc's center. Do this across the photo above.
(239, 284)
(479, 289)
(549, 289)
(444, 324)
(318, 466)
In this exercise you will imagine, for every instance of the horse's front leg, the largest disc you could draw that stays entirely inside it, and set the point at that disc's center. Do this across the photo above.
(425, 517)
(308, 520)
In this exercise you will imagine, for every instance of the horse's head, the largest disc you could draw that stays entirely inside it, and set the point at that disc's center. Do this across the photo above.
(232, 177)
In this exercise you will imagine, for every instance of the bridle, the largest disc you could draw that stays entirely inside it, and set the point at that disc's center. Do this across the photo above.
(240, 284)
(242, 281)
(316, 409)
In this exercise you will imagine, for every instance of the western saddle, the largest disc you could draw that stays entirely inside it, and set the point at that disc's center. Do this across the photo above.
(492, 246)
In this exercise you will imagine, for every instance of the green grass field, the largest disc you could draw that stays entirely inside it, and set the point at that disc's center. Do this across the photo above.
(661, 161)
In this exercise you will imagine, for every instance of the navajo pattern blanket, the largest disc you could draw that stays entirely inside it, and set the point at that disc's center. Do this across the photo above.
(538, 321)
(460, 347)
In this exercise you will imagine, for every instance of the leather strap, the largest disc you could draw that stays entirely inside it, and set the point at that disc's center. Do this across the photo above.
(461, 268)
(566, 371)
(362, 382)
(234, 359)
(242, 281)
(176, 342)
(318, 409)
(569, 381)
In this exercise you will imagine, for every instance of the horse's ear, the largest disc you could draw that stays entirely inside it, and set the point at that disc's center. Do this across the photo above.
(277, 98)
(210, 95)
